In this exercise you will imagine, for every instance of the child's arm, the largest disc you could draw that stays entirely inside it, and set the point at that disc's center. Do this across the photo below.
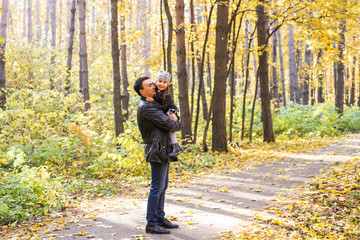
(149, 99)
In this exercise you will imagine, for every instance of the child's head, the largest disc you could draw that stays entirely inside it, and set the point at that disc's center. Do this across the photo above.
(163, 80)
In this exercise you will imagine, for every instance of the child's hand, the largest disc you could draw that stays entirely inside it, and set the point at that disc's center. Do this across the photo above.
(149, 99)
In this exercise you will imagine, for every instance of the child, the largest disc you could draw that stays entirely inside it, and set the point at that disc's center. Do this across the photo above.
(164, 98)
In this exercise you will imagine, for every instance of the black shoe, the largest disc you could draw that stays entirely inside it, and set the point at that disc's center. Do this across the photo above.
(175, 150)
(156, 229)
(167, 224)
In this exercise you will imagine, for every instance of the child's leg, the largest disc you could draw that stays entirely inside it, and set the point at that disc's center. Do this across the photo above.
(172, 135)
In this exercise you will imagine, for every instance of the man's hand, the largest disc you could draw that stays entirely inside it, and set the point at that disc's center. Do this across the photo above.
(173, 117)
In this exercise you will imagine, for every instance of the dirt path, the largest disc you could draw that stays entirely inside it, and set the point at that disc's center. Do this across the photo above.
(215, 205)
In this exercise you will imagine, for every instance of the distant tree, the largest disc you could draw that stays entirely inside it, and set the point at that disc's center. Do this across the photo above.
(4, 17)
(48, 2)
(38, 22)
(274, 83)
(170, 33)
(320, 94)
(306, 82)
(339, 90)
(119, 128)
(30, 31)
(84, 77)
(124, 74)
(282, 72)
(70, 45)
(262, 30)
(352, 87)
(53, 38)
(219, 140)
(293, 73)
(24, 20)
(181, 72)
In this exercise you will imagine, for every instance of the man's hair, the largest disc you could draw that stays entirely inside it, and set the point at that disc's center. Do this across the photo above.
(138, 84)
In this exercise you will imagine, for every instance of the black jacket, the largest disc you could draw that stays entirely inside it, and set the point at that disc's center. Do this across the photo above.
(154, 127)
(167, 103)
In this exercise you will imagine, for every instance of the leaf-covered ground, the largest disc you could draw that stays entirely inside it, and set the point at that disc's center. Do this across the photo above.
(326, 208)
(277, 222)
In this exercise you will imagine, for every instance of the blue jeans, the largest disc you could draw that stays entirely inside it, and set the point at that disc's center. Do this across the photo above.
(156, 199)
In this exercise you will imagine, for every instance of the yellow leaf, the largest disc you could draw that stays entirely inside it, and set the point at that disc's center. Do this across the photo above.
(224, 189)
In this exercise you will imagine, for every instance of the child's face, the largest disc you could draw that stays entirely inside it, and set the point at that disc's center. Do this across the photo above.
(161, 84)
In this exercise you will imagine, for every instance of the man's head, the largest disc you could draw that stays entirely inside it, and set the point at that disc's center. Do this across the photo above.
(144, 87)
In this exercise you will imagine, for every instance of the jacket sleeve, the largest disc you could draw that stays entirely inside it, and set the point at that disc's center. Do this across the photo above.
(170, 102)
(159, 119)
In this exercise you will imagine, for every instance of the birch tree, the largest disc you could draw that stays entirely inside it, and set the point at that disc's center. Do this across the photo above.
(4, 17)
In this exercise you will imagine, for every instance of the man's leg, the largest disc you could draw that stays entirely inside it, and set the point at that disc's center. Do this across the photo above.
(159, 176)
(160, 213)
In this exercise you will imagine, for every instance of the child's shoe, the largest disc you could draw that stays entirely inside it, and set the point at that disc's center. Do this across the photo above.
(175, 150)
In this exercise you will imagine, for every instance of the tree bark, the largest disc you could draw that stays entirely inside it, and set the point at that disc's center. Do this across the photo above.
(262, 25)
(60, 22)
(24, 20)
(320, 95)
(306, 68)
(146, 38)
(4, 17)
(53, 39)
(274, 84)
(219, 142)
(84, 78)
(70, 46)
(30, 32)
(282, 68)
(38, 22)
(162, 34)
(47, 21)
(181, 72)
(339, 90)
(352, 88)
(201, 92)
(119, 128)
(170, 34)
(293, 74)
(124, 74)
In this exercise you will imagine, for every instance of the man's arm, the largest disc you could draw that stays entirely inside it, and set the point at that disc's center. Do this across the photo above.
(159, 119)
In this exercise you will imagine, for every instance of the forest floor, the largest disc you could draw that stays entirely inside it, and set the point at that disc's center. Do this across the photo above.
(207, 207)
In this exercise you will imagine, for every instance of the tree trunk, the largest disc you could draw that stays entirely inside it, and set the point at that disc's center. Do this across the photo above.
(60, 22)
(201, 92)
(262, 24)
(119, 128)
(194, 56)
(70, 46)
(84, 78)
(4, 16)
(53, 39)
(293, 74)
(68, 16)
(170, 34)
(320, 96)
(306, 68)
(248, 41)
(38, 22)
(274, 84)
(24, 20)
(30, 32)
(124, 75)
(352, 89)
(181, 72)
(282, 68)
(47, 21)
(219, 142)
(339, 90)
(162, 34)
(146, 38)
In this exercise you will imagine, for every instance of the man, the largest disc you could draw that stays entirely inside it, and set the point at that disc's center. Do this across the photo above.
(155, 126)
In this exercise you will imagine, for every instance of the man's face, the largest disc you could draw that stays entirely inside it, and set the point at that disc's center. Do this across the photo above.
(148, 88)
